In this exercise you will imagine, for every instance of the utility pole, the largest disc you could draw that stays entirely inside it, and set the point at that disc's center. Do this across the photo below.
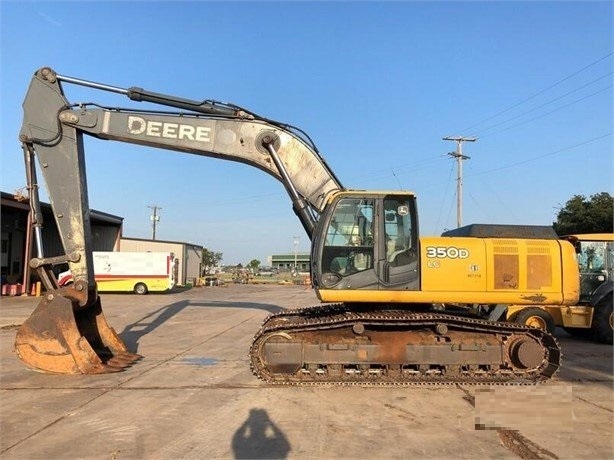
(459, 172)
(154, 219)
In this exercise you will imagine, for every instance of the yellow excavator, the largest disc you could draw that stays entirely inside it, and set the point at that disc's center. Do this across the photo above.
(396, 308)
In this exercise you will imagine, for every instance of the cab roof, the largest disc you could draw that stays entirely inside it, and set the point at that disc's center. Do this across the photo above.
(591, 237)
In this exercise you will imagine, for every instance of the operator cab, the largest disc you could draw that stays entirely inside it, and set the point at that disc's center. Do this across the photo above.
(595, 254)
(367, 241)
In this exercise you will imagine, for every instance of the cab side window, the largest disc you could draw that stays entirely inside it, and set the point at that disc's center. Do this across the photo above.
(592, 256)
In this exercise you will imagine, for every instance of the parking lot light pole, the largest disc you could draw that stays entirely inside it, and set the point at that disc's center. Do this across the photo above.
(296, 242)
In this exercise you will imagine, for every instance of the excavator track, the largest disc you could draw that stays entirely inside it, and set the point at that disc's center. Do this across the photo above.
(337, 344)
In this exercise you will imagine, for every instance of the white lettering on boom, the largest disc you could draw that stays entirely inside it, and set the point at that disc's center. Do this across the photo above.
(186, 132)
(139, 126)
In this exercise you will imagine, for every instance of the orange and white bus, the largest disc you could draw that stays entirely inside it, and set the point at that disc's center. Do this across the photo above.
(138, 272)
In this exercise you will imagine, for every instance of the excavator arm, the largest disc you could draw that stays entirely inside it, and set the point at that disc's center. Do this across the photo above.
(53, 130)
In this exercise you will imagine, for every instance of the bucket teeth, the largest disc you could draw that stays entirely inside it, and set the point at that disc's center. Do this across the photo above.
(123, 360)
(62, 337)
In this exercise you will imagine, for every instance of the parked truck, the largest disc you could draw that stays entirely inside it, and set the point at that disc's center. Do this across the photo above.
(138, 272)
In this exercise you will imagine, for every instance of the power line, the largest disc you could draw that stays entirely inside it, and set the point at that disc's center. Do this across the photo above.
(571, 147)
(398, 181)
(445, 193)
(550, 112)
(372, 176)
(481, 132)
(539, 92)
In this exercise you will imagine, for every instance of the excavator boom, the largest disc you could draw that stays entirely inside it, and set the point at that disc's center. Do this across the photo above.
(81, 340)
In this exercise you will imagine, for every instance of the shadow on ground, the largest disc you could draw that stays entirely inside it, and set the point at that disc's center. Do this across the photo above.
(258, 437)
(133, 332)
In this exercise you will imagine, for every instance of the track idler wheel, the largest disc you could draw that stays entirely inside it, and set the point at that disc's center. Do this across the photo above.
(63, 338)
(526, 353)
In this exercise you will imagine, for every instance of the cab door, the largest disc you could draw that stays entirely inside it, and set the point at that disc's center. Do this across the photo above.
(398, 265)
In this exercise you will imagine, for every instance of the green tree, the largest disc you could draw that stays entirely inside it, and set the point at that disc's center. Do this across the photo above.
(582, 215)
(210, 259)
(254, 264)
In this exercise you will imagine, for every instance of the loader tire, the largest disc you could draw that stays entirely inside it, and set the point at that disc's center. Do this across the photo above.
(602, 327)
(536, 317)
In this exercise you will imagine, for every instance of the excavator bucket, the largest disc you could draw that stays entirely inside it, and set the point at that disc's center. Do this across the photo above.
(60, 339)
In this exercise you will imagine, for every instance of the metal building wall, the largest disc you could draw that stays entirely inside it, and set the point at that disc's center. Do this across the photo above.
(106, 230)
(193, 261)
(286, 261)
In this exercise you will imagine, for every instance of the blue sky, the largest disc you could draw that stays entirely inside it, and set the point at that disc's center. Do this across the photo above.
(376, 85)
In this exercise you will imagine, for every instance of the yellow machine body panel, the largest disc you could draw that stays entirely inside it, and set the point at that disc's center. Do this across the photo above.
(525, 270)
(459, 265)
(483, 271)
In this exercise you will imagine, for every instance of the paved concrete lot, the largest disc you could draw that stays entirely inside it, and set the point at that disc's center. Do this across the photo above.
(194, 396)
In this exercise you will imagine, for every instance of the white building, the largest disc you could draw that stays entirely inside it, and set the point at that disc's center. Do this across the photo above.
(188, 254)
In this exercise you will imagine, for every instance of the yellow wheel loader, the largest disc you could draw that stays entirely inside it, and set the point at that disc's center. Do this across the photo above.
(592, 316)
